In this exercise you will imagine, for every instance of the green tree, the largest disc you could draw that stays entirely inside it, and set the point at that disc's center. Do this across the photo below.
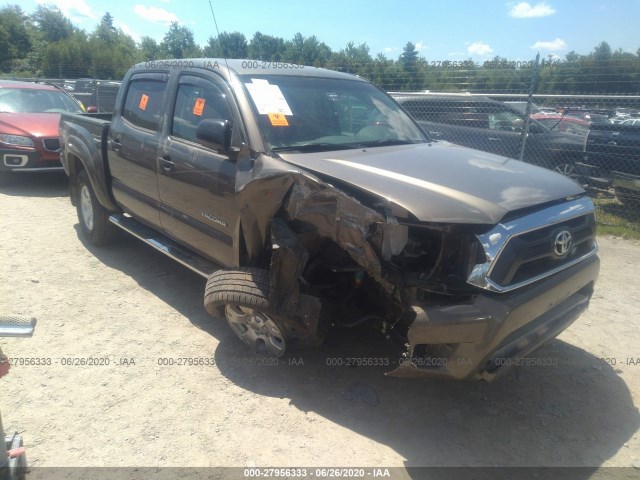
(178, 42)
(14, 37)
(409, 57)
(51, 23)
(228, 45)
(148, 49)
(105, 31)
(266, 47)
(306, 51)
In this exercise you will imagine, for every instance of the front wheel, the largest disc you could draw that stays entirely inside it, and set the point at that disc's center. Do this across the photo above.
(93, 217)
(242, 296)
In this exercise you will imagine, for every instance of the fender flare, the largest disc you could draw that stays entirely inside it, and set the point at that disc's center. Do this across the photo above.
(79, 143)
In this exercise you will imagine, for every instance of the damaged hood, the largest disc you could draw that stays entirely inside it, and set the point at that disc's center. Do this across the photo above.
(441, 182)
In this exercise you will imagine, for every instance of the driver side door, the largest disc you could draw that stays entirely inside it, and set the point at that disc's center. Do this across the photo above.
(196, 182)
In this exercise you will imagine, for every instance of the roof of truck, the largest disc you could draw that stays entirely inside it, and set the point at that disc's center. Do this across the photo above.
(246, 67)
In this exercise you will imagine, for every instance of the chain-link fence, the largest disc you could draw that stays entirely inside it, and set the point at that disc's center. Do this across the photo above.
(507, 108)
(593, 139)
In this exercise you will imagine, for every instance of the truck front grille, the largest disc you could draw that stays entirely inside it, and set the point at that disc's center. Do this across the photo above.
(532, 247)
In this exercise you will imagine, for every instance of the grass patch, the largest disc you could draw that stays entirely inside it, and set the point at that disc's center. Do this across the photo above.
(616, 219)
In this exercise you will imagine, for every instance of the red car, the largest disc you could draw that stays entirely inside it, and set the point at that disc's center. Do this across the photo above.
(29, 118)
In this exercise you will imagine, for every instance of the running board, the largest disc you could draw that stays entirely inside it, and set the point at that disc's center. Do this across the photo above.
(165, 245)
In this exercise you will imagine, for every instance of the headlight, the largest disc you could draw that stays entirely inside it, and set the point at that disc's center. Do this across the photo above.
(18, 140)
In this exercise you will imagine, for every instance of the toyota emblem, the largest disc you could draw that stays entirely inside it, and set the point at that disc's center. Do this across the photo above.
(562, 243)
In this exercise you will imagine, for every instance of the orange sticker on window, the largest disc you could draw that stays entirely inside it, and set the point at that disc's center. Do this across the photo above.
(143, 101)
(198, 108)
(278, 120)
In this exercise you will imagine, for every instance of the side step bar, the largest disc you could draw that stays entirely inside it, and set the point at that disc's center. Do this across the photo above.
(165, 245)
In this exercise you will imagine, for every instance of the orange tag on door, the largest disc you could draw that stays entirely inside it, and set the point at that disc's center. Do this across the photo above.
(143, 101)
(278, 120)
(198, 108)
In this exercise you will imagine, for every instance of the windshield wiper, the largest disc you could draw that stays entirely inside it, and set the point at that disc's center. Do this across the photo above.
(388, 142)
(313, 147)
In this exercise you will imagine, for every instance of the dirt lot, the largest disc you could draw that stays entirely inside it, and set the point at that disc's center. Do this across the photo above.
(134, 307)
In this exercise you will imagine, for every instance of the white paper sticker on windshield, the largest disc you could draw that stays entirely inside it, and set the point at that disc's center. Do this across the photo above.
(268, 98)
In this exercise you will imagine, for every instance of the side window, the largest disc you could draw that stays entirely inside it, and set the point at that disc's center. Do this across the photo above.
(463, 114)
(143, 105)
(195, 103)
(505, 120)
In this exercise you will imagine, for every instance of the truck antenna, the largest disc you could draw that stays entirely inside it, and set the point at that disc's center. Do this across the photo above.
(224, 56)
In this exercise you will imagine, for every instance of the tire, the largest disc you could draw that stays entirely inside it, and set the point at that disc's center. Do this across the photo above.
(242, 296)
(628, 197)
(93, 217)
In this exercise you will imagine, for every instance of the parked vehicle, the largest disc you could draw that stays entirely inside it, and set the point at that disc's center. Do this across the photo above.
(612, 159)
(29, 119)
(521, 106)
(590, 116)
(562, 123)
(312, 202)
(495, 127)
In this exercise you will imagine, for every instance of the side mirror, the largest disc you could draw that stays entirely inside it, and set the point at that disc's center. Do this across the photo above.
(92, 109)
(216, 132)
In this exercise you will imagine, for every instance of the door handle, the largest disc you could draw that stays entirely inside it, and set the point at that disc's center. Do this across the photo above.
(166, 164)
(115, 144)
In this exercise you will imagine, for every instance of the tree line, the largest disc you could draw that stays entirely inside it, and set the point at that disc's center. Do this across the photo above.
(47, 44)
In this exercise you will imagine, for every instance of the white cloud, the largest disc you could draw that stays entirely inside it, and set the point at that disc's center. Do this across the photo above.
(456, 54)
(421, 46)
(76, 10)
(557, 44)
(526, 10)
(479, 48)
(155, 14)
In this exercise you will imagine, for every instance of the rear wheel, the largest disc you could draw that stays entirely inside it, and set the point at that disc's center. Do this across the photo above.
(93, 217)
(242, 296)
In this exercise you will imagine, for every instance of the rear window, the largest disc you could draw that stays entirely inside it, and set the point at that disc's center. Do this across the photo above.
(143, 105)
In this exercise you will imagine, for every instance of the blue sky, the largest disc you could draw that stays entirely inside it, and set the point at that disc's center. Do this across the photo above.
(441, 29)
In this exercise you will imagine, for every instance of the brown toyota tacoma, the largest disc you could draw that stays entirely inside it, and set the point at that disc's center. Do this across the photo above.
(310, 200)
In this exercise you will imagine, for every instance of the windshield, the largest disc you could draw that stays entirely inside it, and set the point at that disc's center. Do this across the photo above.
(311, 114)
(29, 100)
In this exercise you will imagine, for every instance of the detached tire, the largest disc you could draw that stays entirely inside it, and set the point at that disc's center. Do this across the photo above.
(242, 296)
(93, 217)
(628, 197)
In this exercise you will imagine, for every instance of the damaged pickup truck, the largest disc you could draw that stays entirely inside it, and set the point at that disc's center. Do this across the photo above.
(310, 200)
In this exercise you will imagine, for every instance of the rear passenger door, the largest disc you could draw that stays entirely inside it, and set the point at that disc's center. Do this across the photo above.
(133, 146)
(196, 181)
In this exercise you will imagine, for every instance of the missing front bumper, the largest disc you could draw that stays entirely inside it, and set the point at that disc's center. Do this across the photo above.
(478, 341)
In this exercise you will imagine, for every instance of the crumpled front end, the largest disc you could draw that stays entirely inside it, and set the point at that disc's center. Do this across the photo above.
(535, 275)
(462, 301)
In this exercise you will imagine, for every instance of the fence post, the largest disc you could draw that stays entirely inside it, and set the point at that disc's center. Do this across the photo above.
(532, 87)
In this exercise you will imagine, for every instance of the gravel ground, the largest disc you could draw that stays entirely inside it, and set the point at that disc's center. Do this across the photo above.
(131, 307)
